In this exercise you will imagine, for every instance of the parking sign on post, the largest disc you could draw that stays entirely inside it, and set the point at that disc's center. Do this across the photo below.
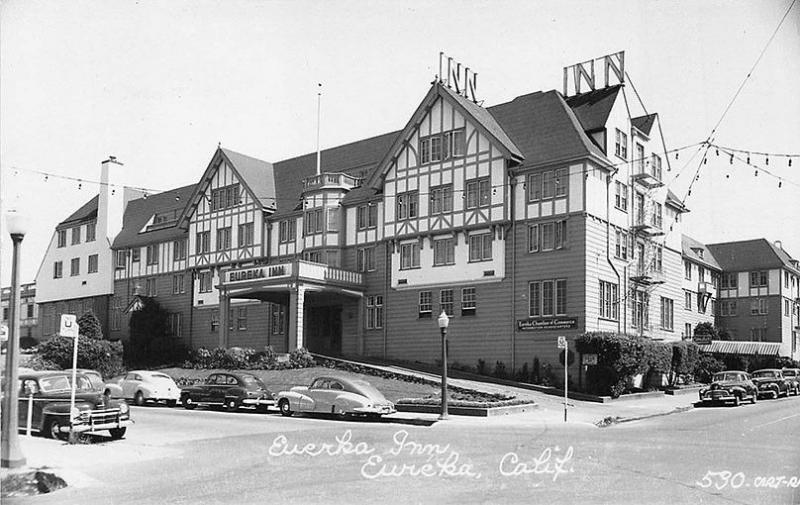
(69, 328)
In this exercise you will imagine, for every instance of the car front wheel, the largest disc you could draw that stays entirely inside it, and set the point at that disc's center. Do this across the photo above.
(188, 404)
(285, 407)
(754, 398)
(231, 405)
(52, 429)
(117, 433)
(171, 403)
(138, 398)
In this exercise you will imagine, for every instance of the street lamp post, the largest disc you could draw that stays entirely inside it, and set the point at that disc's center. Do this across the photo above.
(10, 452)
(444, 322)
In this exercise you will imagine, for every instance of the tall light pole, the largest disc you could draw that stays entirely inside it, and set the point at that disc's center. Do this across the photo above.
(444, 322)
(10, 452)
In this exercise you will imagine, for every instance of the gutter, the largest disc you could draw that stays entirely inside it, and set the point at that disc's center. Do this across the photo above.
(513, 185)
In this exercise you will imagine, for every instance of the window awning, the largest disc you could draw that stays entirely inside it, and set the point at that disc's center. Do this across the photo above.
(733, 347)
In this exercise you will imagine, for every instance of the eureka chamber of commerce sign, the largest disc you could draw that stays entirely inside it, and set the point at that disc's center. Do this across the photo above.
(547, 323)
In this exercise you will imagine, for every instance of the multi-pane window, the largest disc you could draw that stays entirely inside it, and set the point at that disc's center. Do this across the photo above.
(442, 146)
(787, 308)
(547, 298)
(365, 259)
(621, 145)
(667, 313)
(30, 310)
(214, 320)
(62, 238)
(374, 312)
(687, 330)
(178, 284)
(759, 279)
(407, 204)
(91, 232)
(278, 319)
(223, 238)
(204, 281)
(203, 243)
(442, 199)
(640, 158)
(639, 308)
(76, 235)
(425, 304)
(367, 216)
(75, 267)
(758, 334)
(58, 270)
(480, 247)
(409, 255)
(729, 280)
(543, 185)
(333, 219)
(135, 254)
(621, 196)
(547, 236)
(621, 245)
(701, 273)
(245, 235)
(655, 166)
(152, 254)
(658, 257)
(443, 252)
(223, 198)
(151, 286)
(241, 318)
(313, 256)
(446, 301)
(179, 250)
(120, 259)
(469, 301)
(609, 300)
(313, 221)
(687, 270)
(658, 215)
(478, 193)
(687, 300)
(758, 306)
(727, 308)
(287, 230)
(92, 264)
(175, 324)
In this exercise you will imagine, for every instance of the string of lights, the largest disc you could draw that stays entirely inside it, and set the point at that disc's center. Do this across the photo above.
(750, 152)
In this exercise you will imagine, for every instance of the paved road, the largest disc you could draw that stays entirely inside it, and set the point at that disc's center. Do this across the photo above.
(704, 456)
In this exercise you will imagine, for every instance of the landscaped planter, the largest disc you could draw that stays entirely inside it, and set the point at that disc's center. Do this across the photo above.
(466, 411)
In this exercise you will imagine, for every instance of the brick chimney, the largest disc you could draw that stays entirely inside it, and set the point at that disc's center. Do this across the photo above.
(110, 202)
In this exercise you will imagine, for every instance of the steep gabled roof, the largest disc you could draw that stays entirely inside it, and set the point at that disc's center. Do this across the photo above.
(698, 252)
(756, 254)
(87, 212)
(593, 108)
(644, 123)
(139, 212)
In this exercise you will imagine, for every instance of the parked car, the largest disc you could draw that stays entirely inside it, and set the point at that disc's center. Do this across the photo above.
(232, 390)
(110, 389)
(730, 386)
(771, 382)
(793, 376)
(335, 395)
(143, 386)
(95, 412)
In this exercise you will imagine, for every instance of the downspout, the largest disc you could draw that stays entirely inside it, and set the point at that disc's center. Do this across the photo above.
(609, 179)
(513, 184)
(191, 304)
(386, 281)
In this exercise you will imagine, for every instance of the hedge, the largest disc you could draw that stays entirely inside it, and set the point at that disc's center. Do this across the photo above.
(104, 356)
(245, 358)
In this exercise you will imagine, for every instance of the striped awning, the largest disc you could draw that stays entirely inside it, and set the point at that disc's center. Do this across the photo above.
(733, 347)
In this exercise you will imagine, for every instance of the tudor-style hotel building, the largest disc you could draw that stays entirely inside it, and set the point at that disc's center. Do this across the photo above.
(538, 217)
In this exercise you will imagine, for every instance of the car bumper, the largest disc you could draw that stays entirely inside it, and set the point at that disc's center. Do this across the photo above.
(258, 401)
(375, 410)
(83, 428)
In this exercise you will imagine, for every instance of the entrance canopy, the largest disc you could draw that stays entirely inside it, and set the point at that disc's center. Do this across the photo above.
(733, 347)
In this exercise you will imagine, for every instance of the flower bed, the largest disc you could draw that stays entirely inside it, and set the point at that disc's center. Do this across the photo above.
(466, 398)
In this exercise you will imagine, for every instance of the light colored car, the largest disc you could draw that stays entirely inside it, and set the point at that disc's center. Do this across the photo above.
(335, 395)
(143, 386)
(109, 389)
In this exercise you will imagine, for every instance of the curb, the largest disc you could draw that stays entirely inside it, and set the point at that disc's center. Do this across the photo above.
(468, 411)
(677, 410)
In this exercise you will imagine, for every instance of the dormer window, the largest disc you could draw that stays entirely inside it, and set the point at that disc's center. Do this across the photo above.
(442, 146)
(225, 198)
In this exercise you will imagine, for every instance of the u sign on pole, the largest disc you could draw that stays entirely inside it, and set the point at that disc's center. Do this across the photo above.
(69, 328)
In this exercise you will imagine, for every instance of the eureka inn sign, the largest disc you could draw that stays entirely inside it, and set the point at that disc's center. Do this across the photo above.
(266, 272)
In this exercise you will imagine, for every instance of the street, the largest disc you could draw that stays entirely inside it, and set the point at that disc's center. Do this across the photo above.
(746, 455)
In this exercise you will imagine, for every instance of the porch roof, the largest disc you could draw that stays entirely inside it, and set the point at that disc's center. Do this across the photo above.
(740, 347)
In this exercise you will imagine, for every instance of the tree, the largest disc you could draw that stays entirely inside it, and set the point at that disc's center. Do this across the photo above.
(706, 329)
(89, 326)
(148, 327)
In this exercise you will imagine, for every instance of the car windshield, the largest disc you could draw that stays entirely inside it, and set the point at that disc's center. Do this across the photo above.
(765, 373)
(57, 383)
(252, 380)
(726, 376)
(790, 373)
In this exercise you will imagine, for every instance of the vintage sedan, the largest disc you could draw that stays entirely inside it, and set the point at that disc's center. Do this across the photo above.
(732, 386)
(335, 395)
(771, 382)
(144, 386)
(231, 390)
(110, 389)
(49, 395)
(793, 376)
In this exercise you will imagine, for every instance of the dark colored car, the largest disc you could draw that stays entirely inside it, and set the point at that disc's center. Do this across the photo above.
(95, 411)
(231, 390)
(793, 376)
(771, 382)
(730, 386)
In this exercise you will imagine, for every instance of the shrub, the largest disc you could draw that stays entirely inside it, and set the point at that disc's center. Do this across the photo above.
(500, 370)
(481, 369)
(536, 372)
(684, 360)
(101, 355)
(707, 366)
(707, 329)
(524, 375)
(301, 358)
(548, 376)
(89, 326)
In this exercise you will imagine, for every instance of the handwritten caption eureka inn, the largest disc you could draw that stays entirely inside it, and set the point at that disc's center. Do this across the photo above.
(405, 457)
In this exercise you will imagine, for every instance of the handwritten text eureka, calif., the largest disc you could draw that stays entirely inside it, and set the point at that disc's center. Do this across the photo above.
(407, 457)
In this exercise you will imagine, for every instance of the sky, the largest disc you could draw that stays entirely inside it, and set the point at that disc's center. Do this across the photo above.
(160, 84)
